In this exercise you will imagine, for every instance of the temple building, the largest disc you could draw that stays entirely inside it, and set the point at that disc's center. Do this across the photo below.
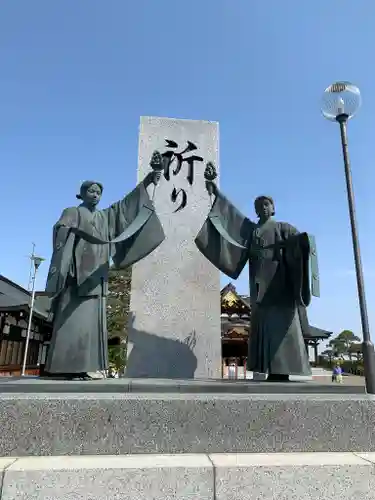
(236, 328)
(14, 318)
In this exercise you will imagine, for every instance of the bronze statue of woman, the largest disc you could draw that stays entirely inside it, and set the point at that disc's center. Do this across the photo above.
(84, 240)
(281, 263)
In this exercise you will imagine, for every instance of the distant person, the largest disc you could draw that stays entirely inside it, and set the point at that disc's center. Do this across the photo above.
(232, 370)
(337, 374)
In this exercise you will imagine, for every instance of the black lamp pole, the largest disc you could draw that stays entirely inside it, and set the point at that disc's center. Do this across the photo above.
(367, 345)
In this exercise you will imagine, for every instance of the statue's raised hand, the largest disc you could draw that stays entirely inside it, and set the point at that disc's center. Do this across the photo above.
(157, 165)
(210, 175)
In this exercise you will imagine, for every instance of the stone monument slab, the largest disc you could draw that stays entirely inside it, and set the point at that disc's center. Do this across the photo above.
(174, 329)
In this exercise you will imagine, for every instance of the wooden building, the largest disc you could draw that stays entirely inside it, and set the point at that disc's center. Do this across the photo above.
(14, 317)
(236, 328)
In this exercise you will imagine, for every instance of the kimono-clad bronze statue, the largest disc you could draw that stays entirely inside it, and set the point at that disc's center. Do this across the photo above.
(84, 240)
(283, 275)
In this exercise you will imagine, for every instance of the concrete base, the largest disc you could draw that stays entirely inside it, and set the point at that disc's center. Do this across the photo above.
(37, 385)
(330, 476)
(179, 417)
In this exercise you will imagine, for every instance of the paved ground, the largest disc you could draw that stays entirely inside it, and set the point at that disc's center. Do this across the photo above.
(298, 385)
(224, 476)
(347, 380)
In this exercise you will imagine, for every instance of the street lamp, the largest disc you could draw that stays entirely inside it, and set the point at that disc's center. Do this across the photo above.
(341, 101)
(36, 261)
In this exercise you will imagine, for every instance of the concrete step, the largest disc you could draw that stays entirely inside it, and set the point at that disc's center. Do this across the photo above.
(297, 385)
(274, 476)
(141, 423)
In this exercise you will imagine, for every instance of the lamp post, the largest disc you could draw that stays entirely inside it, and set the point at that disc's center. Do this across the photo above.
(341, 101)
(36, 261)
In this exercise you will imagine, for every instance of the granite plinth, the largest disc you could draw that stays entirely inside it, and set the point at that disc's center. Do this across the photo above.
(39, 385)
(140, 422)
(174, 329)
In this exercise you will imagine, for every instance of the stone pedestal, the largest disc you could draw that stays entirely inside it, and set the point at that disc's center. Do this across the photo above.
(175, 295)
(149, 416)
(168, 439)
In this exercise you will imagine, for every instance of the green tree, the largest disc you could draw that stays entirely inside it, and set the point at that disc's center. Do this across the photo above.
(328, 353)
(356, 350)
(118, 303)
(341, 345)
(338, 347)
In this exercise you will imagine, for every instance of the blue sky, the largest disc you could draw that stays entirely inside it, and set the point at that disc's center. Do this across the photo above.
(77, 75)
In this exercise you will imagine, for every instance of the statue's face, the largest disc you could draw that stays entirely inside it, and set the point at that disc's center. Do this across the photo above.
(92, 195)
(265, 208)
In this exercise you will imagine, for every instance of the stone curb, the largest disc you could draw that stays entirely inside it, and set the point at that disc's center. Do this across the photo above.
(193, 460)
(167, 386)
(186, 476)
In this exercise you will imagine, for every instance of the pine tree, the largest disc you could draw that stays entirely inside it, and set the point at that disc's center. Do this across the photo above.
(341, 345)
(118, 303)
